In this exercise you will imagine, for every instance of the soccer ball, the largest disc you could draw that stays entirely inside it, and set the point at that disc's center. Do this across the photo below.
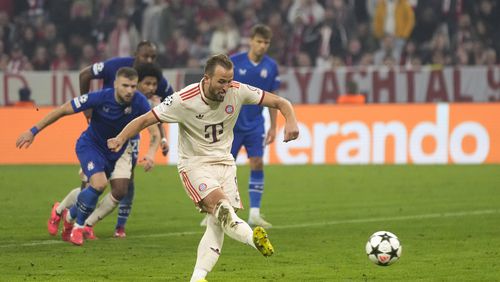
(383, 248)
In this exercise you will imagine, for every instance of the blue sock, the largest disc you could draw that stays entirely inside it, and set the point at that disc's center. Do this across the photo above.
(87, 200)
(256, 187)
(125, 206)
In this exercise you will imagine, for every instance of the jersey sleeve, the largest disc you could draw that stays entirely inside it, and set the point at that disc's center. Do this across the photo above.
(170, 110)
(100, 69)
(164, 89)
(86, 101)
(145, 106)
(250, 95)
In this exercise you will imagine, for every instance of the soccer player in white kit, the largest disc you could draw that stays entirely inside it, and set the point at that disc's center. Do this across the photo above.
(207, 112)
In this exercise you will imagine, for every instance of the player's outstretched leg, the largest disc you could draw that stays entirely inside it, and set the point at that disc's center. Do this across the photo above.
(232, 225)
(68, 219)
(54, 220)
(105, 207)
(262, 242)
(87, 200)
(209, 249)
(124, 210)
(59, 208)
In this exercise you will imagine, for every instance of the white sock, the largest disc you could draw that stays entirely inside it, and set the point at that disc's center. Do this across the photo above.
(198, 274)
(254, 212)
(232, 225)
(69, 200)
(105, 207)
(209, 249)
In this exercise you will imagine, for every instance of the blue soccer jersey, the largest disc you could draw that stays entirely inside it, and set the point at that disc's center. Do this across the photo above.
(108, 116)
(263, 75)
(107, 72)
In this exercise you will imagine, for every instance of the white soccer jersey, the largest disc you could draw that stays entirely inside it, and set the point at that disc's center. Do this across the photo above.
(206, 126)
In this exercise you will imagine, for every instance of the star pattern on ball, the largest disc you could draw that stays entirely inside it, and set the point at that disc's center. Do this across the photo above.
(375, 251)
(385, 237)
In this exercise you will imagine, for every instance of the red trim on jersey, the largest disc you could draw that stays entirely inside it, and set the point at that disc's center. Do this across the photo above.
(156, 116)
(191, 190)
(235, 84)
(262, 98)
(190, 93)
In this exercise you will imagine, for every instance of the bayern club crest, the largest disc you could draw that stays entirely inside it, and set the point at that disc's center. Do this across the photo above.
(229, 109)
(202, 187)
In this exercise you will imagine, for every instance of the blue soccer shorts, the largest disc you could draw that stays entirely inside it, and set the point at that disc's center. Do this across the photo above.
(92, 160)
(253, 143)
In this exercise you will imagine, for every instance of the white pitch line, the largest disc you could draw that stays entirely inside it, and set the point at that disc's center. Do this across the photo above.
(291, 226)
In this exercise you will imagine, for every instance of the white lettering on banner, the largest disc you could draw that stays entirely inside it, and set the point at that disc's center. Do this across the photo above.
(283, 149)
(439, 131)
(479, 133)
(382, 131)
(321, 133)
(355, 150)
(408, 142)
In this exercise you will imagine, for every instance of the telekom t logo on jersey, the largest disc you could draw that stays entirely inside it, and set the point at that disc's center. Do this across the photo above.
(212, 130)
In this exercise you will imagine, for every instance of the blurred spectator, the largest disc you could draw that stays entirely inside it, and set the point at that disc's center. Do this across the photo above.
(225, 38)
(88, 56)
(18, 61)
(354, 52)
(41, 60)
(49, 36)
(325, 40)
(151, 30)
(80, 21)
(310, 12)
(410, 53)
(428, 18)
(177, 52)
(25, 98)
(352, 96)
(62, 60)
(386, 50)
(329, 32)
(4, 58)
(210, 12)
(28, 41)
(6, 30)
(122, 39)
(395, 18)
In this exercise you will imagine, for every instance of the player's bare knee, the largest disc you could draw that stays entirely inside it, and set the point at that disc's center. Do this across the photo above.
(209, 203)
(98, 181)
(119, 188)
(256, 163)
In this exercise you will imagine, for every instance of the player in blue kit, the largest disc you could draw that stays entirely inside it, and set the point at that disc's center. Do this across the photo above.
(112, 109)
(106, 70)
(259, 70)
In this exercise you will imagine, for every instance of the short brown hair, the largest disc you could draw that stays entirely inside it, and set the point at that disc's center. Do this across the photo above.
(127, 72)
(262, 30)
(221, 60)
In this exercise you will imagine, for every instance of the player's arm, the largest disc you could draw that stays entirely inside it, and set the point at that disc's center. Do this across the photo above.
(85, 78)
(27, 137)
(285, 107)
(271, 133)
(154, 143)
(163, 141)
(132, 129)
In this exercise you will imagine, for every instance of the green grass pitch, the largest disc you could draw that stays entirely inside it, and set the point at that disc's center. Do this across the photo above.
(447, 218)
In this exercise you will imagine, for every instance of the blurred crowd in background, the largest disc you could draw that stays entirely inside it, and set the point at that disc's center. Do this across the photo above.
(71, 34)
